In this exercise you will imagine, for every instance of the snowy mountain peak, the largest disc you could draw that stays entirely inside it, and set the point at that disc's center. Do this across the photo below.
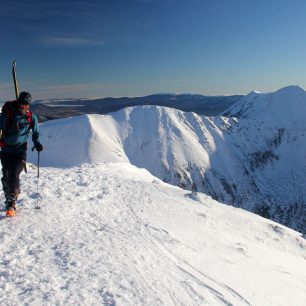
(253, 93)
(283, 108)
(292, 90)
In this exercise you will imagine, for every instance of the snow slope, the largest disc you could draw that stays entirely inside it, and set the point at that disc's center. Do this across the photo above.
(112, 234)
(255, 160)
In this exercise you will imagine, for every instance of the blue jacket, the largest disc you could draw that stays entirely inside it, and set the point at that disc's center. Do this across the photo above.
(16, 129)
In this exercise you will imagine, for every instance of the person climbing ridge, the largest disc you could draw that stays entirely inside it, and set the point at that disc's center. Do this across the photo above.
(16, 122)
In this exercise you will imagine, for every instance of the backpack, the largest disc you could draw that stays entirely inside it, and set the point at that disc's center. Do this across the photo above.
(8, 108)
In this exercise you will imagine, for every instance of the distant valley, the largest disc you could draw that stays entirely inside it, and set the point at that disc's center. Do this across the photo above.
(202, 105)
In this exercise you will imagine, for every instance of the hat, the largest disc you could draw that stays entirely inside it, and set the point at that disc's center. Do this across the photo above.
(25, 98)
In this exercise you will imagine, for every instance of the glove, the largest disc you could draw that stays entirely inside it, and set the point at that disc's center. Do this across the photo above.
(38, 147)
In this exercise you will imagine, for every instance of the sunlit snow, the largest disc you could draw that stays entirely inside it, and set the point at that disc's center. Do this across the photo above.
(110, 232)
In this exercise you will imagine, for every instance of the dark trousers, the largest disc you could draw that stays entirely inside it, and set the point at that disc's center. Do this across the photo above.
(12, 165)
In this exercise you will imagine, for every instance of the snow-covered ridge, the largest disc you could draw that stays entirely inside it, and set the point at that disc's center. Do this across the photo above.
(113, 234)
(256, 162)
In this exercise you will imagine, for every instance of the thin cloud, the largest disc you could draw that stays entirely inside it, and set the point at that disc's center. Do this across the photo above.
(75, 23)
(70, 42)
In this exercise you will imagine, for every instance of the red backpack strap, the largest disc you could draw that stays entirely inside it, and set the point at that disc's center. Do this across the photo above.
(29, 119)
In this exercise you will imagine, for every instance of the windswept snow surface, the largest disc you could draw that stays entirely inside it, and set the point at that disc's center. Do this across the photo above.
(113, 234)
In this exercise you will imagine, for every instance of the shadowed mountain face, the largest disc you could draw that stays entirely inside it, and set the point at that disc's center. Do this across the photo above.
(203, 105)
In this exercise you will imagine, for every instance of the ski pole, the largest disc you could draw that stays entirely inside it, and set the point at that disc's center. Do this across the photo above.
(37, 185)
(38, 160)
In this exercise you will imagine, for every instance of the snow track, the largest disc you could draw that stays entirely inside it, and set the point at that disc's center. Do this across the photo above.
(113, 234)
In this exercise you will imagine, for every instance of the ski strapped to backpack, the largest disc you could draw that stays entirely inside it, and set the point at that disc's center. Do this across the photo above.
(15, 80)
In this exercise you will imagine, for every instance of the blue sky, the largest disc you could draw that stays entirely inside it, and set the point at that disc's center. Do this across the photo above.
(92, 48)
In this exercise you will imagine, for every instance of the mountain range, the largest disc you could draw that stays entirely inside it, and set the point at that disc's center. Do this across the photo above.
(204, 105)
(252, 157)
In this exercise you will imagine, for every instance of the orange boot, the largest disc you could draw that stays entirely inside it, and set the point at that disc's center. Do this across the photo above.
(11, 209)
(10, 212)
